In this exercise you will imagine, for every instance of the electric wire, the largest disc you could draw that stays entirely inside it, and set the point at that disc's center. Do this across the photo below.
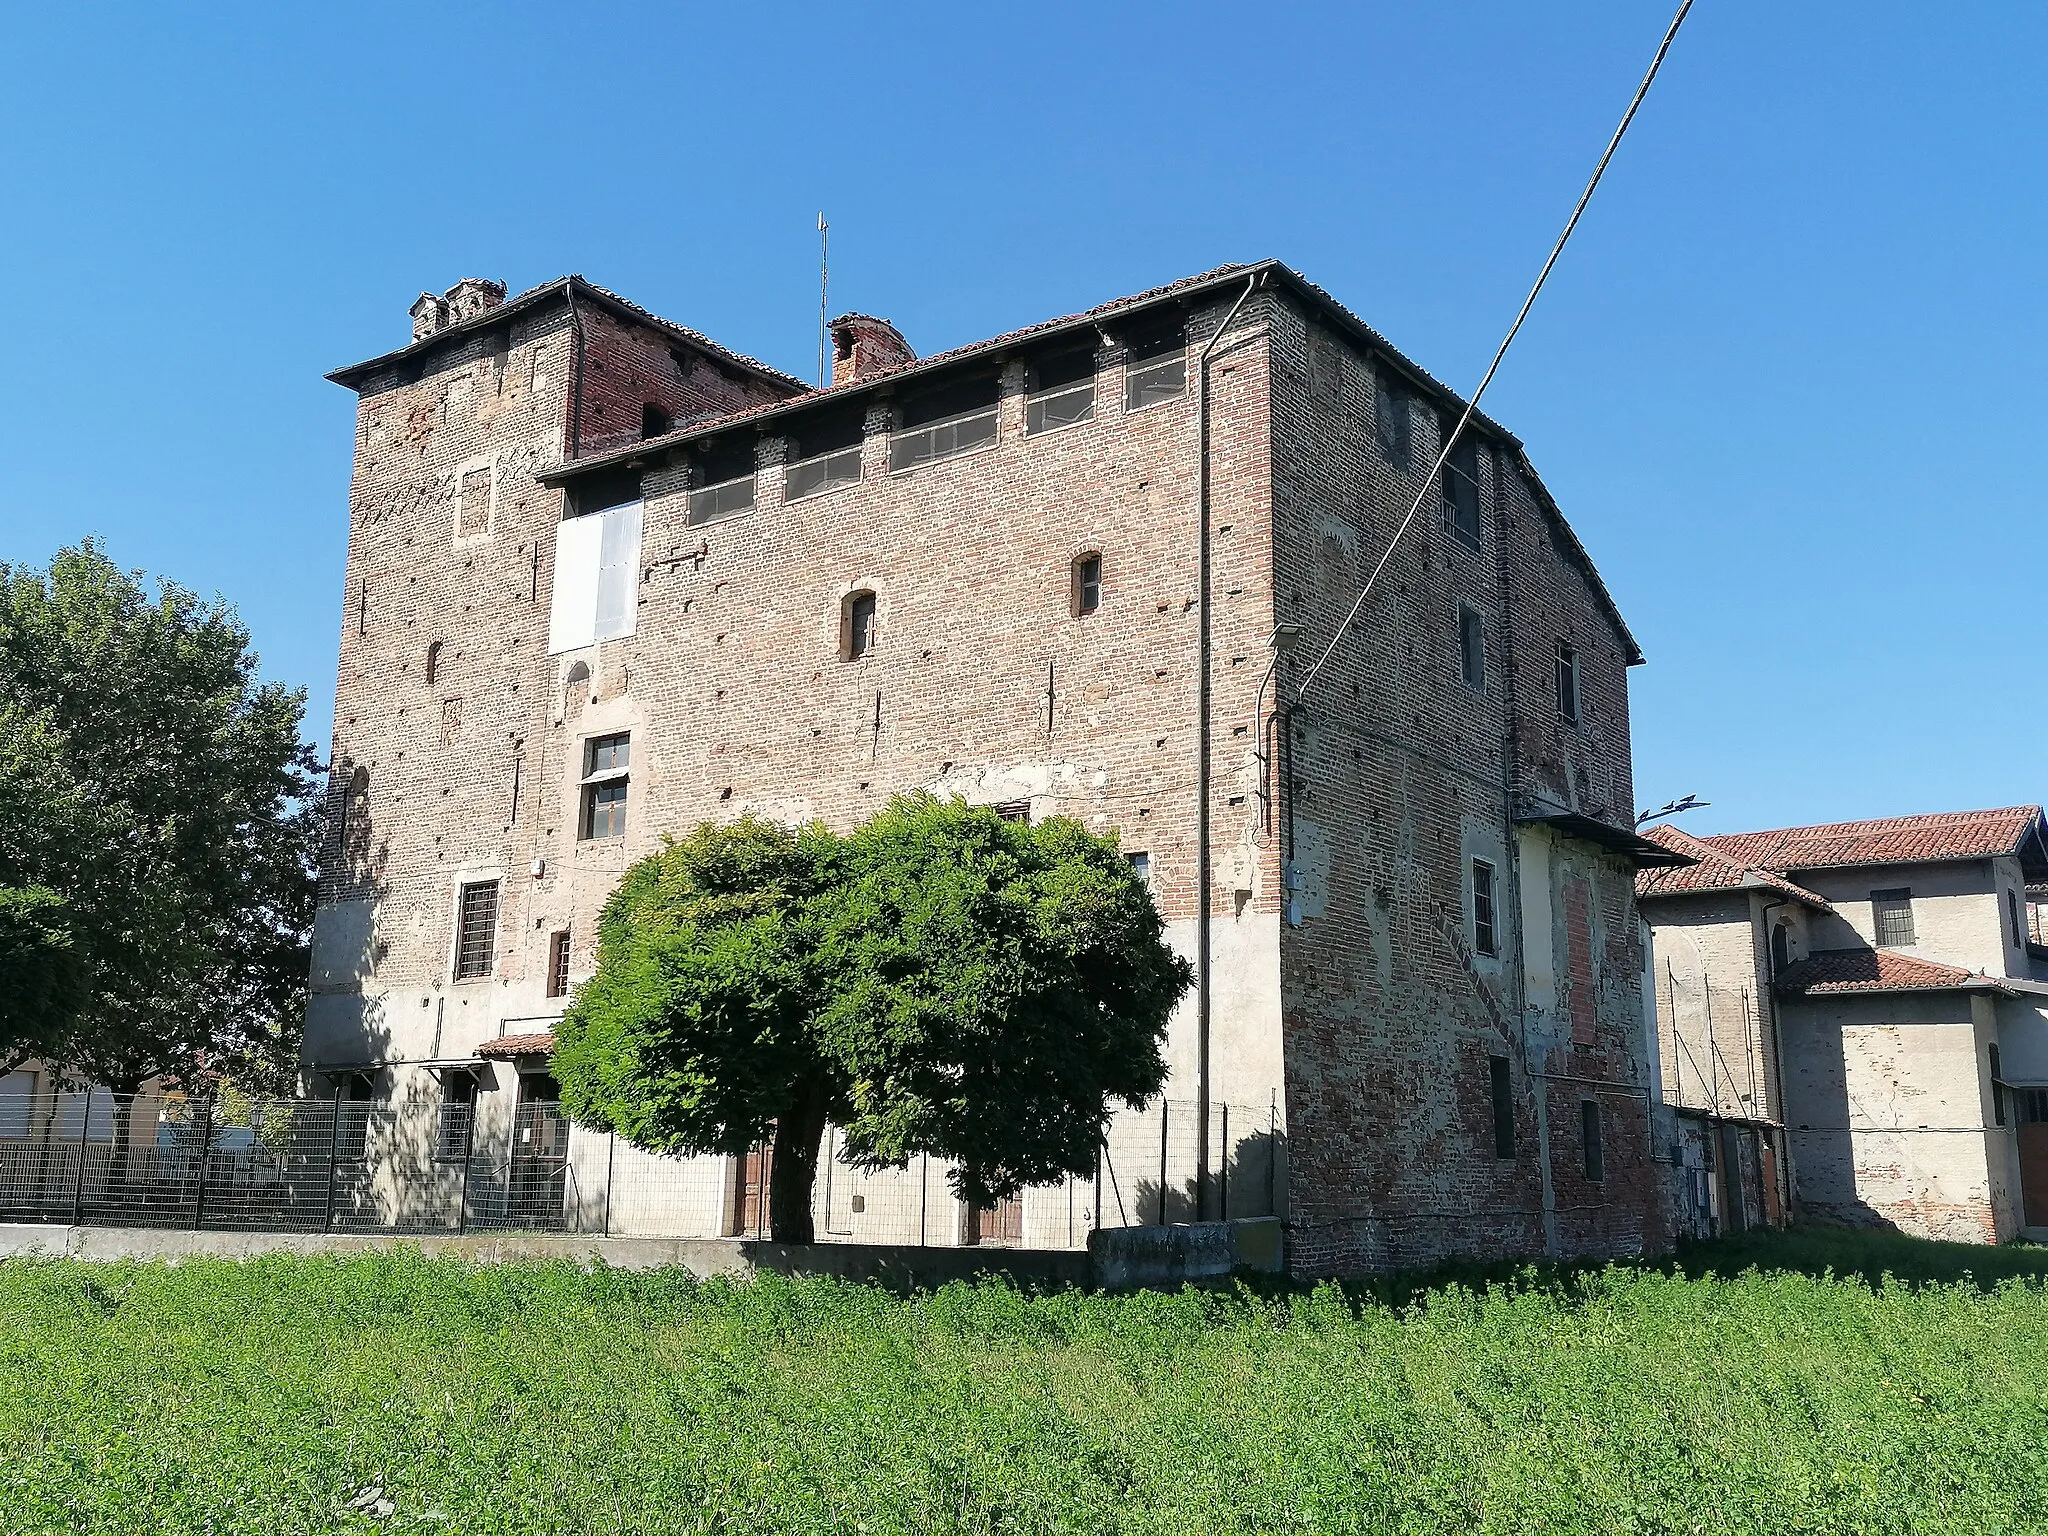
(1450, 442)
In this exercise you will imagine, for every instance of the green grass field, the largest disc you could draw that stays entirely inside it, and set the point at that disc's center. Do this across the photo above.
(1740, 1391)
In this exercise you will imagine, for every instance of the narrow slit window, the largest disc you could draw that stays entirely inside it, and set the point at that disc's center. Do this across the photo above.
(1891, 917)
(1485, 938)
(1087, 584)
(1472, 648)
(1567, 681)
(858, 626)
(1589, 1140)
(2012, 920)
(1503, 1107)
(476, 930)
(434, 662)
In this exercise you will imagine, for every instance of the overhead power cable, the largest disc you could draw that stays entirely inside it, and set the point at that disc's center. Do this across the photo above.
(1451, 440)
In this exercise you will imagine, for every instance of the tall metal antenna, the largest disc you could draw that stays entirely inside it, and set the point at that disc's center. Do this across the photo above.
(823, 274)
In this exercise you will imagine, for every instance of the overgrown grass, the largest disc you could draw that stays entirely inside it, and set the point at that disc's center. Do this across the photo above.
(271, 1396)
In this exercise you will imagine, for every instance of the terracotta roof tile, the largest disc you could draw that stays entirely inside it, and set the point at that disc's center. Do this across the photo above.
(1949, 835)
(1833, 971)
(507, 1047)
(1714, 871)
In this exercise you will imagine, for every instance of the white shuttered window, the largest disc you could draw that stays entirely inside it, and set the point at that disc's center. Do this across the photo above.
(597, 571)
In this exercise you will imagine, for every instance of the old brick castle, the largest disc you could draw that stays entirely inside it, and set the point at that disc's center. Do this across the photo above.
(607, 580)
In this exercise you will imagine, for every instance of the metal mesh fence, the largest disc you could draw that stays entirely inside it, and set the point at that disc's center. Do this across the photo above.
(418, 1167)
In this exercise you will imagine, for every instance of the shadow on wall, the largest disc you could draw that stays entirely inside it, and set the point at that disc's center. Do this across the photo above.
(1247, 1181)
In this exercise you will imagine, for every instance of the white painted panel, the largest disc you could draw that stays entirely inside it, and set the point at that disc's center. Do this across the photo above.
(618, 572)
(573, 611)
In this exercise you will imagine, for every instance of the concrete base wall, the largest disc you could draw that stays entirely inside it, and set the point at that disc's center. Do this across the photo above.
(888, 1264)
(1129, 1257)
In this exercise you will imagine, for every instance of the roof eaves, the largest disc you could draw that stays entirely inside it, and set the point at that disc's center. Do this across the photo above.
(349, 376)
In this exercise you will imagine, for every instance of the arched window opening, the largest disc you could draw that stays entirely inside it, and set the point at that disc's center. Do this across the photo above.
(1781, 948)
(1087, 583)
(857, 626)
(434, 663)
(576, 690)
(654, 420)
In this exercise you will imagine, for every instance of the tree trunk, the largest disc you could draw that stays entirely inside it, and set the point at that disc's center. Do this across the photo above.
(124, 1136)
(799, 1131)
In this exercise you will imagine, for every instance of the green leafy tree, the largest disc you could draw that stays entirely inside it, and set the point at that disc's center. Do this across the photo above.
(941, 981)
(159, 825)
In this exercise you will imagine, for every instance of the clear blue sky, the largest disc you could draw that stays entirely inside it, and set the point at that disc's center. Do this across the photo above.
(1784, 383)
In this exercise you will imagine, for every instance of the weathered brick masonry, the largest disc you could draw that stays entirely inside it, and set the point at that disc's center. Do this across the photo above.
(1349, 982)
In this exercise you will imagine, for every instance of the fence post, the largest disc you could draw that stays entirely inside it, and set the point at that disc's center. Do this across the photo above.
(333, 1157)
(924, 1201)
(78, 1188)
(1163, 1107)
(1101, 1151)
(468, 1160)
(1223, 1169)
(205, 1148)
(1273, 1156)
(611, 1163)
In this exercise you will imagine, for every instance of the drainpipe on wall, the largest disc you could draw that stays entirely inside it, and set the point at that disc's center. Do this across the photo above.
(1202, 690)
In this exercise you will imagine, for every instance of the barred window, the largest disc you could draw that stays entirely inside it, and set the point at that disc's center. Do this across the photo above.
(1460, 489)
(456, 1123)
(558, 963)
(1891, 917)
(476, 930)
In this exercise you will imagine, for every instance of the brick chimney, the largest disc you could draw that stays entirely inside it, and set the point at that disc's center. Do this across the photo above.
(472, 296)
(863, 346)
(429, 314)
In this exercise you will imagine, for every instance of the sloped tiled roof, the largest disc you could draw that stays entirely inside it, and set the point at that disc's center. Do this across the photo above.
(1713, 871)
(1939, 838)
(1833, 971)
(507, 1047)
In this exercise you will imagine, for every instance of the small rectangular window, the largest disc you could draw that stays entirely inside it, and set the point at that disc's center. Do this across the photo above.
(1141, 866)
(860, 625)
(1484, 937)
(456, 1123)
(1061, 392)
(1087, 585)
(558, 963)
(1472, 648)
(476, 930)
(1390, 419)
(1503, 1108)
(1589, 1139)
(605, 761)
(1014, 810)
(1891, 917)
(1567, 681)
(1460, 488)
(1155, 369)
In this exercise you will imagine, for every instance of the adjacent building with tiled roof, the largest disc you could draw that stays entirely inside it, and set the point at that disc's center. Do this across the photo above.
(608, 579)
(1891, 985)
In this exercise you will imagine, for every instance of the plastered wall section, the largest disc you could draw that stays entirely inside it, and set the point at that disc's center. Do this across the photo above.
(1711, 974)
(1890, 1117)
(1958, 914)
(1397, 777)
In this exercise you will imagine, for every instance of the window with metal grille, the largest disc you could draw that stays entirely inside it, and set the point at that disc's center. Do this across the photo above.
(558, 963)
(1589, 1140)
(858, 626)
(1891, 917)
(1503, 1107)
(476, 930)
(1460, 487)
(1390, 419)
(1155, 369)
(1568, 681)
(1014, 810)
(605, 760)
(1484, 937)
(1471, 648)
(1087, 584)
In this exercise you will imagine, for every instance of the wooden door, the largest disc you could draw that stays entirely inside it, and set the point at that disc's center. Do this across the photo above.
(997, 1226)
(2034, 1173)
(751, 1173)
